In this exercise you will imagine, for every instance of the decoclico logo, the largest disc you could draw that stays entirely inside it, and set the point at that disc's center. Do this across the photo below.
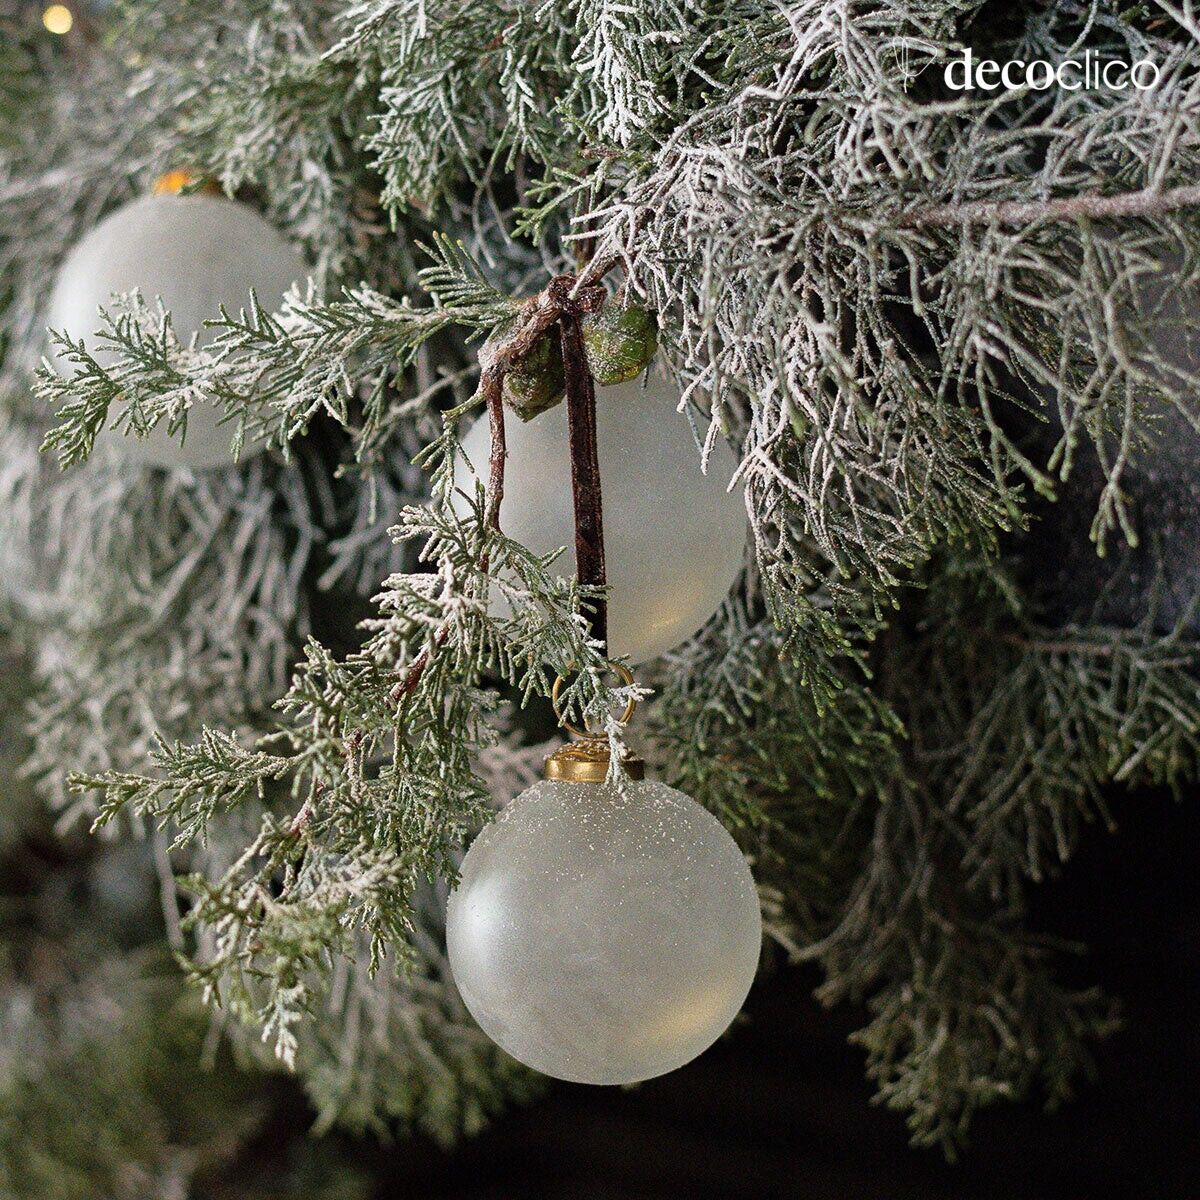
(965, 74)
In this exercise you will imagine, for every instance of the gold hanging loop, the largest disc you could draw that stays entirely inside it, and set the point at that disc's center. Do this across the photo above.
(626, 677)
(587, 760)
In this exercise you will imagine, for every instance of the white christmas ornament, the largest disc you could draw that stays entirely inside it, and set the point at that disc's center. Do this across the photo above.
(604, 934)
(195, 252)
(674, 536)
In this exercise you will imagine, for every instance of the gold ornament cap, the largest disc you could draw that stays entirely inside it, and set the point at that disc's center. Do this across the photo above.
(171, 183)
(587, 761)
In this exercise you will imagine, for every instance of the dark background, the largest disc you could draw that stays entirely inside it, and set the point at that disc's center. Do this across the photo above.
(780, 1107)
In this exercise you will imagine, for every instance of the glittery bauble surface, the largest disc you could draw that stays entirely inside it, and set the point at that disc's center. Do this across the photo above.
(196, 253)
(604, 935)
(674, 536)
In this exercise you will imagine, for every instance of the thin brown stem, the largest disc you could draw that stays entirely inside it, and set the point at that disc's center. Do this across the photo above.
(412, 676)
(498, 450)
(585, 468)
(1058, 645)
(1146, 203)
(302, 820)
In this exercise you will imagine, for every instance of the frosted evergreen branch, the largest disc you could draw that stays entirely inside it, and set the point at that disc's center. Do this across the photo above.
(271, 374)
(458, 285)
(196, 783)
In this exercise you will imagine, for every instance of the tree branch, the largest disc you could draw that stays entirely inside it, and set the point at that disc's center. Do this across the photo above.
(1146, 203)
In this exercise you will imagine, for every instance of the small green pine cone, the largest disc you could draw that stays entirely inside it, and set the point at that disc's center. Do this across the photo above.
(619, 342)
(538, 383)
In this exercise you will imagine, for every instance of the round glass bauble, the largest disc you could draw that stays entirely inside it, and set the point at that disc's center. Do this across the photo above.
(195, 253)
(604, 933)
(674, 535)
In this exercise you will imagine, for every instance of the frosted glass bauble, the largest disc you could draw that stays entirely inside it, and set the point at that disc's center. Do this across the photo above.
(604, 935)
(673, 535)
(196, 253)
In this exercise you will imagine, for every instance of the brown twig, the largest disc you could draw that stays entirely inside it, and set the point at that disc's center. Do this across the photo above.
(1058, 646)
(581, 424)
(585, 468)
(591, 275)
(303, 818)
(1145, 203)
(412, 676)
